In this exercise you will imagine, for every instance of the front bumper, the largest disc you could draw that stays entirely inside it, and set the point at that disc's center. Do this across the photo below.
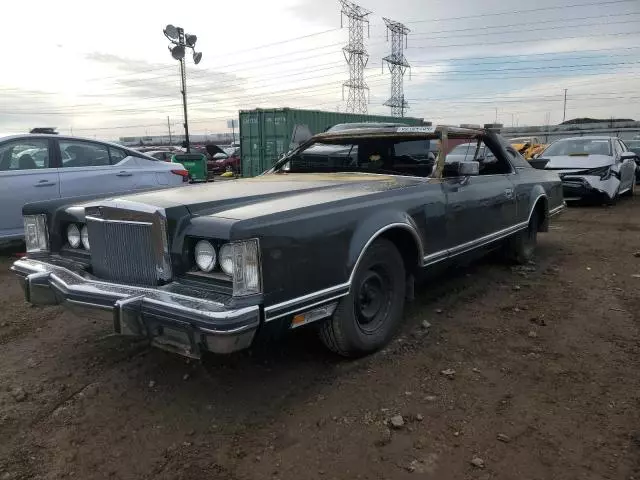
(173, 321)
(589, 186)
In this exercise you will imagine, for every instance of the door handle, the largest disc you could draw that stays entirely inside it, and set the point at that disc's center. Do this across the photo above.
(45, 183)
(124, 174)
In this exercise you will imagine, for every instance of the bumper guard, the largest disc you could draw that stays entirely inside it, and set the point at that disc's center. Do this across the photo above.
(175, 322)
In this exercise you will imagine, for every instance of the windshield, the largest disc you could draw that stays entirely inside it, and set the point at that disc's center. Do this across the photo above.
(633, 145)
(579, 147)
(391, 155)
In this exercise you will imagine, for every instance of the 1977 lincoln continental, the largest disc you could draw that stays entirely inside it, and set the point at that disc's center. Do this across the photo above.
(333, 235)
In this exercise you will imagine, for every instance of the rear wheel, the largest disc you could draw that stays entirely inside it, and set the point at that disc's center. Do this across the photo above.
(522, 246)
(367, 318)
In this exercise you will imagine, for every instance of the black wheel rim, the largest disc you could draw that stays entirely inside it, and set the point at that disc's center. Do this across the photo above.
(373, 299)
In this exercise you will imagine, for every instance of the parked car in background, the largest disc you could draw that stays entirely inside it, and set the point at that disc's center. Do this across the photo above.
(591, 167)
(634, 146)
(164, 155)
(223, 159)
(332, 235)
(35, 167)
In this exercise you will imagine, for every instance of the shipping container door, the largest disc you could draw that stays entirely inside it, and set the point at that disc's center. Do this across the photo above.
(277, 130)
(250, 142)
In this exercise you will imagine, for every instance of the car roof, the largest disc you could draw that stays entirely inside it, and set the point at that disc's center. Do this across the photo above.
(411, 131)
(61, 137)
(588, 137)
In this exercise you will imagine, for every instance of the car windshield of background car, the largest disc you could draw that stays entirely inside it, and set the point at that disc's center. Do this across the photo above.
(578, 148)
(396, 156)
(634, 146)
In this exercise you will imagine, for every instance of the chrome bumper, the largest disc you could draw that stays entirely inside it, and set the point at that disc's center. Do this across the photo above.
(176, 322)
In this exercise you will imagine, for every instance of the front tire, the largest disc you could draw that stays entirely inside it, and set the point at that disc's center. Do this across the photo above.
(367, 319)
(522, 246)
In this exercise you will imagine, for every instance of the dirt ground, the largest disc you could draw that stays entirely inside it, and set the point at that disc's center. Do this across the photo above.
(530, 373)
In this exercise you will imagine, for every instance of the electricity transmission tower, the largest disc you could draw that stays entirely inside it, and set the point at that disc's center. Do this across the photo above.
(356, 56)
(397, 66)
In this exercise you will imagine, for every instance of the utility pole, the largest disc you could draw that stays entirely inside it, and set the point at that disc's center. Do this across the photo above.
(397, 66)
(182, 41)
(356, 56)
(169, 127)
(564, 115)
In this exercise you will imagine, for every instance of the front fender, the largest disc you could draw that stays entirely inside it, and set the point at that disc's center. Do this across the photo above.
(372, 227)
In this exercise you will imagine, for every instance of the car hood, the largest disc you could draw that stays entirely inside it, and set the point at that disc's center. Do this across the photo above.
(575, 162)
(272, 193)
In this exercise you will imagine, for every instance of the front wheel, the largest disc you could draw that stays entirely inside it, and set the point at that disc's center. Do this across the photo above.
(367, 318)
(522, 246)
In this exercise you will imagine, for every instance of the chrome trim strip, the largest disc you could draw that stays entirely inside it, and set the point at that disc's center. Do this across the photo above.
(105, 220)
(406, 226)
(471, 245)
(305, 307)
(557, 210)
(304, 298)
(95, 306)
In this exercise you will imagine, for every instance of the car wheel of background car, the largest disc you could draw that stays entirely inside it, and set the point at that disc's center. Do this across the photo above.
(369, 316)
(522, 245)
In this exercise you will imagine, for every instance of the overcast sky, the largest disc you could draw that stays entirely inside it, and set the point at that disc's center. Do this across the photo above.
(103, 69)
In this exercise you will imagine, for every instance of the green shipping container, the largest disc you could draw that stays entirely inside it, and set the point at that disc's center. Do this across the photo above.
(267, 133)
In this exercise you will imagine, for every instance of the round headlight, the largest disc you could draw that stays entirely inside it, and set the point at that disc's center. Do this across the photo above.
(226, 259)
(73, 235)
(205, 256)
(84, 236)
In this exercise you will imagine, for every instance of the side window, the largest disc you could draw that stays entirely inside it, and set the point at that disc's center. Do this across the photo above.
(24, 154)
(117, 155)
(517, 160)
(490, 163)
(77, 153)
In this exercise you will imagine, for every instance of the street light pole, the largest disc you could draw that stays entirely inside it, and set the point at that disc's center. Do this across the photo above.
(182, 41)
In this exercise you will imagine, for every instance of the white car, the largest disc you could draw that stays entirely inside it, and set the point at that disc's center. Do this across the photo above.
(37, 167)
(591, 167)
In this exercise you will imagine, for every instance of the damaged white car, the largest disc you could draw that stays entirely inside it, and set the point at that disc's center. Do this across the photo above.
(600, 168)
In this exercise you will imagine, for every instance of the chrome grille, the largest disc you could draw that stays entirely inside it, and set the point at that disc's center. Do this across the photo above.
(128, 246)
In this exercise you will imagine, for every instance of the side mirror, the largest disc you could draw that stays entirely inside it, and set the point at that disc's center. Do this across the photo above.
(466, 169)
(628, 156)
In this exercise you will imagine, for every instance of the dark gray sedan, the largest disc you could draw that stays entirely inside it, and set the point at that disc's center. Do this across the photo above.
(332, 236)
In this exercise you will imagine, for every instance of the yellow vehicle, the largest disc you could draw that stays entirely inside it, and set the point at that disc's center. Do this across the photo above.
(528, 146)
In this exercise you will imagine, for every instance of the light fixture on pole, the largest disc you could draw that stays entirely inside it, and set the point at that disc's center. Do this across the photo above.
(181, 41)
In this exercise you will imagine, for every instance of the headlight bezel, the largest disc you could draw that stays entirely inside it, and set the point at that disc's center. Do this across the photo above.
(36, 233)
(238, 262)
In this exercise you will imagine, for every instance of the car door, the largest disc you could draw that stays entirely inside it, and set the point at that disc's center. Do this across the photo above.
(481, 208)
(27, 174)
(87, 168)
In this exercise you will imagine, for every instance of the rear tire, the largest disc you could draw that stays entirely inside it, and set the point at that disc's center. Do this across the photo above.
(522, 246)
(367, 319)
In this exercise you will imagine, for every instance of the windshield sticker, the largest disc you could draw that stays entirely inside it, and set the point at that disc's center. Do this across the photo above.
(431, 129)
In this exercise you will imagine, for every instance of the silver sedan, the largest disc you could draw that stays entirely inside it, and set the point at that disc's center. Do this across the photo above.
(37, 167)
